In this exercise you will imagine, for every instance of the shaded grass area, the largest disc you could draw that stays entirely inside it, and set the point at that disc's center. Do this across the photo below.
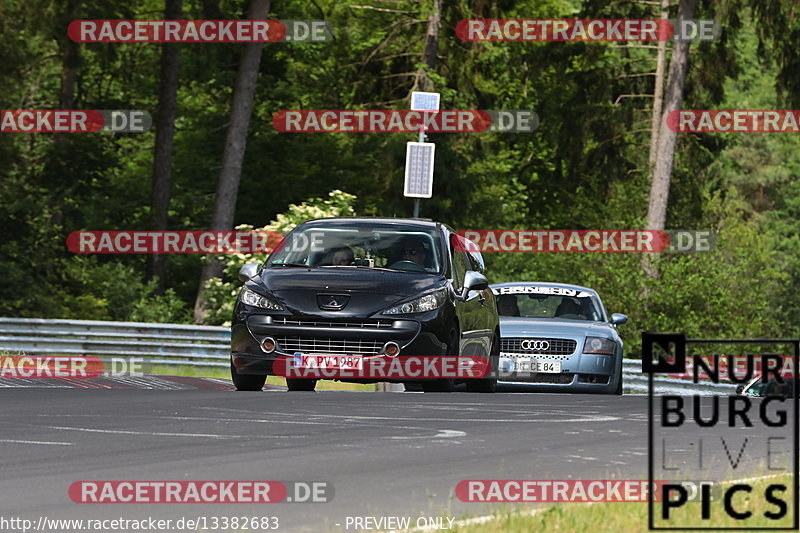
(632, 517)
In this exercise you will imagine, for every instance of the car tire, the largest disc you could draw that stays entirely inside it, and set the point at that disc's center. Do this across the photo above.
(449, 384)
(301, 384)
(246, 382)
(618, 391)
(490, 384)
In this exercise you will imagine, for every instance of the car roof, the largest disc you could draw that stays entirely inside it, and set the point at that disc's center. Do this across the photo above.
(419, 222)
(543, 284)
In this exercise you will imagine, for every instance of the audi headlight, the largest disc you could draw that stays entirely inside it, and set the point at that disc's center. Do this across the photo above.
(429, 302)
(256, 300)
(599, 345)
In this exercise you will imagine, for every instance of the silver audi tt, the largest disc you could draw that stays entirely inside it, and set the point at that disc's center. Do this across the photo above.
(558, 337)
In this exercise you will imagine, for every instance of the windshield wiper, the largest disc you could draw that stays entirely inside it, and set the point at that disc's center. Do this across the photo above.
(302, 265)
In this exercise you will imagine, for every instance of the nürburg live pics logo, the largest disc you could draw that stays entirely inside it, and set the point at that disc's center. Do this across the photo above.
(724, 412)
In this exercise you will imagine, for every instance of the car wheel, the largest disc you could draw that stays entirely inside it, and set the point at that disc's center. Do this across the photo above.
(489, 384)
(449, 384)
(247, 382)
(301, 384)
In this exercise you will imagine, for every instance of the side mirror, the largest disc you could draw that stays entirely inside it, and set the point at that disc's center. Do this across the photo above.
(475, 281)
(619, 318)
(248, 271)
(739, 389)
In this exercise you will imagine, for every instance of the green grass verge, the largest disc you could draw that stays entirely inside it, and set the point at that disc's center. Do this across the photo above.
(224, 373)
(631, 517)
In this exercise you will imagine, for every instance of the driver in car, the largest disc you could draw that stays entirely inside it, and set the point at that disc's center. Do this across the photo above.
(414, 251)
(343, 256)
(507, 305)
(570, 308)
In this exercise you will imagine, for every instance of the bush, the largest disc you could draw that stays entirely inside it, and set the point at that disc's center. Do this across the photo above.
(221, 293)
(85, 288)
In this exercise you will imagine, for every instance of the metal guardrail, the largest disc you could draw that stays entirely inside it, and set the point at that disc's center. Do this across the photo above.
(168, 344)
(634, 380)
(174, 344)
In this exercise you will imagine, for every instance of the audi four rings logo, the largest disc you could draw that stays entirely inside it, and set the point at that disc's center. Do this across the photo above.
(530, 344)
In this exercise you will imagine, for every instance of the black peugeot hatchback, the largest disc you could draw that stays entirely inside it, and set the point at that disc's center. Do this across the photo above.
(365, 288)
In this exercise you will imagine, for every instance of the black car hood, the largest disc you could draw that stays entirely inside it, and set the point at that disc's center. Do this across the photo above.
(368, 291)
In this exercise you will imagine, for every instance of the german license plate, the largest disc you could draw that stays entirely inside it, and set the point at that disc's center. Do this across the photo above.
(329, 362)
(538, 366)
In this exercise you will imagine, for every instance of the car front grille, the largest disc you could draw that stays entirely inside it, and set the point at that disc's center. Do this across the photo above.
(287, 321)
(329, 346)
(558, 379)
(556, 346)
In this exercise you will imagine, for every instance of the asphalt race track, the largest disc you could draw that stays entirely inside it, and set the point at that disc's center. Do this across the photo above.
(384, 453)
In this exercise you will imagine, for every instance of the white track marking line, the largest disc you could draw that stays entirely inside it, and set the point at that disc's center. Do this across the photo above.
(459, 420)
(443, 434)
(756, 478)
(151, 433)
(15, 441)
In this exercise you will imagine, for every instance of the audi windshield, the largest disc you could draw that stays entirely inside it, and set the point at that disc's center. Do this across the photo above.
(548, 302)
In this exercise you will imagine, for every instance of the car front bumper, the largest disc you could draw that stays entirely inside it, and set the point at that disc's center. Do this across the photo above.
(423, 336)
(580, 372)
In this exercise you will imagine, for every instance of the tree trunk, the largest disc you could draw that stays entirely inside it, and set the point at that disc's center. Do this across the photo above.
(71, 58)
(658, 101)
(423, 81)
(162, 151)
(235, 144)
(658, 93)
(70, 63)
(667, 139)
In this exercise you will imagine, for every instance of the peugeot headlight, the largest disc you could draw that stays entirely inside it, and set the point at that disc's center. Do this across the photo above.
(429, 302)
(599, 345)
(256, 300)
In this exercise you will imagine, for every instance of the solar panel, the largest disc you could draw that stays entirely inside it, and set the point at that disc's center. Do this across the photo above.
(424, 101)
(419, 170)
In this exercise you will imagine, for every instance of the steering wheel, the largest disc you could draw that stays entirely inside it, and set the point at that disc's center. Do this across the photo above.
(407, 265)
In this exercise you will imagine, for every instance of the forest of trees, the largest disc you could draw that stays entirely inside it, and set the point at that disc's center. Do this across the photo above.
(213, 159)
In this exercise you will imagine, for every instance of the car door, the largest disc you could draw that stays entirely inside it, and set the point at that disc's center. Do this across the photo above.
(490, 321)
(471, 308)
